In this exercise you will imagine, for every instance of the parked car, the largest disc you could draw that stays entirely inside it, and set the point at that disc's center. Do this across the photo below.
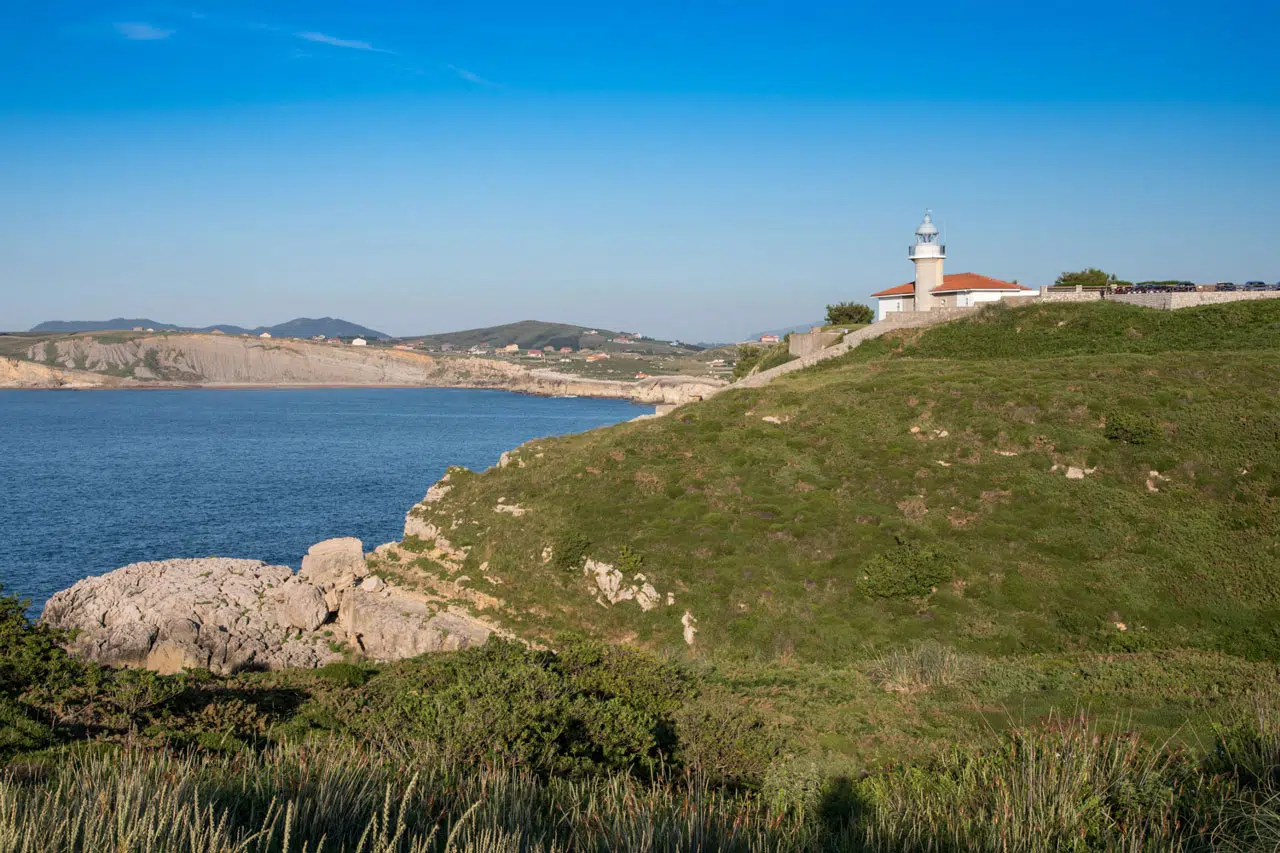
(1255, 285)
(1225, 285)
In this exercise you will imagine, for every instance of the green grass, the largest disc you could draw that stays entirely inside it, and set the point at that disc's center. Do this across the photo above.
(904, 498)
(1061, 329)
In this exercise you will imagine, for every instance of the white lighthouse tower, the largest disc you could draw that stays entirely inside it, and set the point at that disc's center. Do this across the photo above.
(928, 255)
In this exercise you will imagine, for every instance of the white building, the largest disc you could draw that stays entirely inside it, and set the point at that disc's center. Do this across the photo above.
(359, 342)
(932, 289)
(265, 335)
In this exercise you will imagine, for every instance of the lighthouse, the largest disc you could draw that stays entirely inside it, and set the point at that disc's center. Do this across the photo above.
(928, 254)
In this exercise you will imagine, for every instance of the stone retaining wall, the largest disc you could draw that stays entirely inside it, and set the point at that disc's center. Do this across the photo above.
(807, 343)
(891, 323)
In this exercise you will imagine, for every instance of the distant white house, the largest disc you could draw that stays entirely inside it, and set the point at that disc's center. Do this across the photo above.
(265, 335)
(359, 342)
(769, 339)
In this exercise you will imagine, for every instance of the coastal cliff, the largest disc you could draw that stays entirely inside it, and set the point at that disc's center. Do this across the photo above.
(26, 374)
(215, 360)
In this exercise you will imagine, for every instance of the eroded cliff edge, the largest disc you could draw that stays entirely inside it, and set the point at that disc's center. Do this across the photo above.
(214, 360)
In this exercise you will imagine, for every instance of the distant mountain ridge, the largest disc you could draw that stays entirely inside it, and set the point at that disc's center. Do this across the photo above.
(786, 330)
(302, 327)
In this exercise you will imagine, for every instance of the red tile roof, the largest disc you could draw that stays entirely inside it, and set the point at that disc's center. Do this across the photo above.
(953, 283)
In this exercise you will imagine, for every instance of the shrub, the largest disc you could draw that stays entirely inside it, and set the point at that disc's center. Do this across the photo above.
(569, 550)
(30, 657)
(849, 313)
(748, 358)
(20, 731)
(591, 708)
(723, 742)
(908, 571)
(345, 674)
(1129, 428)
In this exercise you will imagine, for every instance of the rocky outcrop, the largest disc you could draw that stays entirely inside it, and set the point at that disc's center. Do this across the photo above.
(387, 626)
(221, 360)
(228, 615)
(214, 614)
(333, 566)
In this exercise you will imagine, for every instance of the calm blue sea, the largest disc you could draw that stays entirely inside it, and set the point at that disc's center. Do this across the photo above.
(91, 481)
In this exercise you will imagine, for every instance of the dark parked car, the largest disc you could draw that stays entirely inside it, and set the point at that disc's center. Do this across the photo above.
(1225, 285)
(1255, 285)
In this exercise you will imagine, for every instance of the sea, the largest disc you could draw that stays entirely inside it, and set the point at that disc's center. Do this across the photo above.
(94, 480)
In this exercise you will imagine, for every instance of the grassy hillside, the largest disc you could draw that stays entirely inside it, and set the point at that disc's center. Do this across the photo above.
(528, 334)
(536, 334)
(1087, 477)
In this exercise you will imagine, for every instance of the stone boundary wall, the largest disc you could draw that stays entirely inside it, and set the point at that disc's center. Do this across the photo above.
(895, 321)
(1077, 295)
(1174, 301)
(1160, 301)
(804, 344)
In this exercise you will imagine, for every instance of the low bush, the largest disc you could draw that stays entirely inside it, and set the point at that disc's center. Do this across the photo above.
(569, 550)
(1131, 428)
(910, 570)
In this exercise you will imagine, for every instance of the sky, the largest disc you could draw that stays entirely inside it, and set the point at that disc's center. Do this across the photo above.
(693, 169)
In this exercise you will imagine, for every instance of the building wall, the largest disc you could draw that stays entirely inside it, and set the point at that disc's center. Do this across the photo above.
(928, 277)
(894, 304)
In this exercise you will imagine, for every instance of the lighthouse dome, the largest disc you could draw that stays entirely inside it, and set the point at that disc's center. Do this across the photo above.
(927, 228)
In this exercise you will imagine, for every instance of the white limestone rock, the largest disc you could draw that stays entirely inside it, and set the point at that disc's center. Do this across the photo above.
(212, 613)
(301, 605)
(334, 565)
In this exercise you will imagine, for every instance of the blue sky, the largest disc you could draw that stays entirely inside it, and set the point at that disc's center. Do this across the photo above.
(691, 169)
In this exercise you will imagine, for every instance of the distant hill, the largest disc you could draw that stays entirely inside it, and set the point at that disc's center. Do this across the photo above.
(536, 334)
(118, 324)
(330, 327)
(302, 327)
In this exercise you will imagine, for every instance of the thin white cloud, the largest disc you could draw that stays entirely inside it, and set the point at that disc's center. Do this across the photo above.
(321, 38)
(137, 31)
(471, 76)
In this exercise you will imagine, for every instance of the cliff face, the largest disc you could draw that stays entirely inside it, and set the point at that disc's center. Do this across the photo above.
(24, 374)
(222, 360)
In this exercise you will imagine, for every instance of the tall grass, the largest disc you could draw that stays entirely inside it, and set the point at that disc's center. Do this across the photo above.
(330, 799)
(922, 666)
(1063, 786)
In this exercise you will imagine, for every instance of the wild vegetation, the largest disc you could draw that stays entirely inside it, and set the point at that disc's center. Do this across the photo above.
(756, 359)
(1007, 584)
(593, 748)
